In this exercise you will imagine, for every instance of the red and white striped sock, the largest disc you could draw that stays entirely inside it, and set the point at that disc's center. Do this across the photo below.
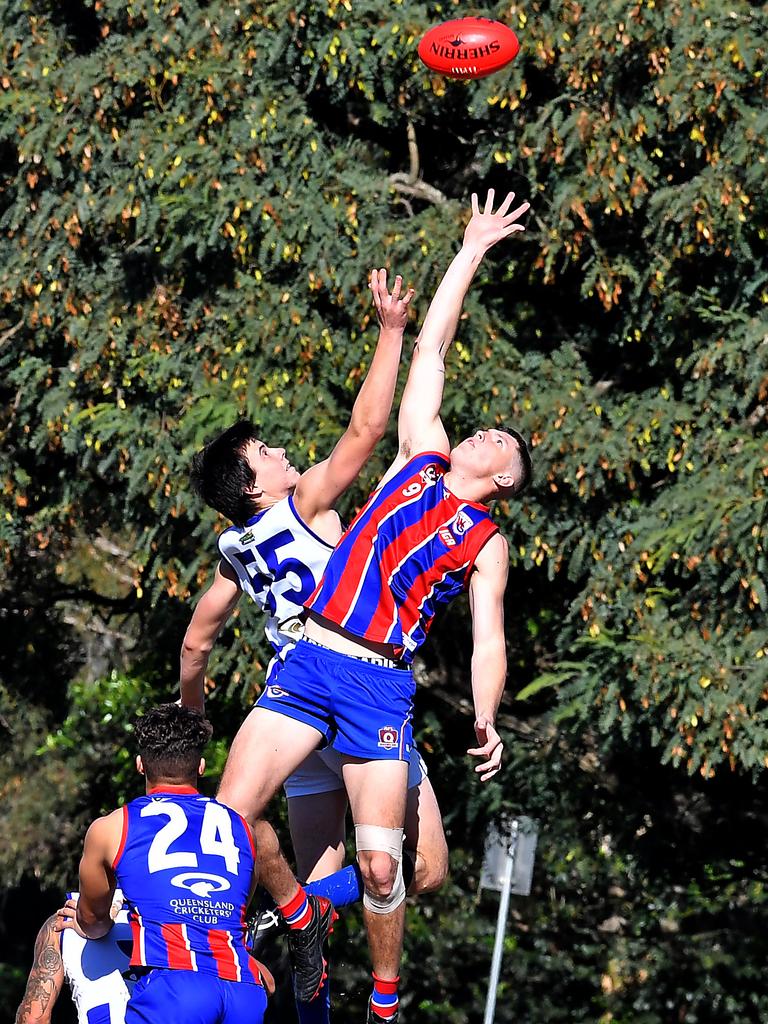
(297, 912)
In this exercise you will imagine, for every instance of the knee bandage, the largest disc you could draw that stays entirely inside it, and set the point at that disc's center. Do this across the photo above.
(383, 840)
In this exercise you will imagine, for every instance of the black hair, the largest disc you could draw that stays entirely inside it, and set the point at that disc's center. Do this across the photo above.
(220, 473)
(171, 740)
(526, 463)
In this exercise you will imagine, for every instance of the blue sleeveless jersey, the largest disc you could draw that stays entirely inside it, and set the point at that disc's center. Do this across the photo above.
(185, 865)
(411, 548)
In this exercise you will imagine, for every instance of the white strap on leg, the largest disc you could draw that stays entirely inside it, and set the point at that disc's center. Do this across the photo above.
(383, 840)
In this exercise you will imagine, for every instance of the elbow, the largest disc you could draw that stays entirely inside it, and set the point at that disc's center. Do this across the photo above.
(93, 927)
(195, 648)
(369, 431)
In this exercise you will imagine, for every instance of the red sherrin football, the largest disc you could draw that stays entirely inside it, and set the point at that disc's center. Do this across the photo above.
(468, 47)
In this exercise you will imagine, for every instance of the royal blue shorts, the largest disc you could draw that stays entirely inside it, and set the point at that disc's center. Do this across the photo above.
(194, 998)
(360, 708)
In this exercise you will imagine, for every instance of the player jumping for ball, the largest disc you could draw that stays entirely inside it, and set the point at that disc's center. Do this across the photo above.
(284, 528)
(423, 537)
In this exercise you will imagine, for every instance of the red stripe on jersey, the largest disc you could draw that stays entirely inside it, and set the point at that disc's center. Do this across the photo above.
(404, 547)
(410, 610)
(371, 499)
(179, 955)
(249, 833)
(137, 953)
(227, 965)
(343, 600)
(123, 838)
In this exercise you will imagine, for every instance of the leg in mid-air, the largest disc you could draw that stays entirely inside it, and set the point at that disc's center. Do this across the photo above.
(378, 797)
(317, 806)
(267, 748)
(317, 824)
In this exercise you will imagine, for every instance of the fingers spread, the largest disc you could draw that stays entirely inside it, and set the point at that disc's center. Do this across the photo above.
(517, 213)
(506, 204)
(475, 204)
(489, 201)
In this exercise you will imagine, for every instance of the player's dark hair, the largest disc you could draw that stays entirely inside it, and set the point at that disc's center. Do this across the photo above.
(526, 463)
(171, 740)
(220, 473)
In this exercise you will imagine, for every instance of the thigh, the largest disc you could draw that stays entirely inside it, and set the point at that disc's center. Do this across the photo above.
(165, 995)
(424, 827)
(377, 791)
(317, 831)
(267, 748)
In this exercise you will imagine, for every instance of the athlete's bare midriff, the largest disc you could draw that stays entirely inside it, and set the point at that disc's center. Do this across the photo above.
(331, 635)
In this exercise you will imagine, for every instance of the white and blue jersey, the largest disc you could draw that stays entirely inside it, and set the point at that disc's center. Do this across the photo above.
(279, 562)
(93, 969)
(185, 866)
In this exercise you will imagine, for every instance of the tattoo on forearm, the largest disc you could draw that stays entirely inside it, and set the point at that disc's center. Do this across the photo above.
(44, 982)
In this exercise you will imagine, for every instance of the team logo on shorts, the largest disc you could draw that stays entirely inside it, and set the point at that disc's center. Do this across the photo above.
(276, 692)
(446, 537)
(389, 737)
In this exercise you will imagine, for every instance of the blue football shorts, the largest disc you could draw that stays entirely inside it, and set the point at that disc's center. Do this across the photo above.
(360, 708)
(194, 998)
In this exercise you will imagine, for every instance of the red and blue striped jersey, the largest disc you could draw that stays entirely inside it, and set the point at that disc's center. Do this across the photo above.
(185, 865)
(410, 548)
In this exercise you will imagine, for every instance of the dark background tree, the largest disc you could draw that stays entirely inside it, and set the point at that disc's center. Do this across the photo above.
(192, 196)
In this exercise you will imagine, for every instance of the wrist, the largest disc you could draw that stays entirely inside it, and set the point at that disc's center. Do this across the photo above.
(474, 252)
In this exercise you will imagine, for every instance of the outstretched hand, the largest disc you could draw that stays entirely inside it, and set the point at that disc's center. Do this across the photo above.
(490, 749)
(391, 308)
(486, 228)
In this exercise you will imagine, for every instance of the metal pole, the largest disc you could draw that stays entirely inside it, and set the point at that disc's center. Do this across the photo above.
(501, 928)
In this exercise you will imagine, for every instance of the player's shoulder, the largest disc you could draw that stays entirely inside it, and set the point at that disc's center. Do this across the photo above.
(494, 554)
(103, 830)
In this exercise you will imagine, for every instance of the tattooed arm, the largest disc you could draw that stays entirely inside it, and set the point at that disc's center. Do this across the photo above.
(45, 979)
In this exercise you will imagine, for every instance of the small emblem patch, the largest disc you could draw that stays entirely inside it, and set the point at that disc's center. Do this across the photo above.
(446, 537)
(389, 737)
(463, 523)
(276, 692)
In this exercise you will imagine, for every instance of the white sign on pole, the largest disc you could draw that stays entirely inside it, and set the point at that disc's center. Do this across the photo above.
(518, 837)
(510, 847)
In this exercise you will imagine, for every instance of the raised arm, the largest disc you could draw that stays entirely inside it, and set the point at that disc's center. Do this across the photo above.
(97, 879)
(208, 619)
(45, 979)
(319, 488)
(419, 425)
(489, 652)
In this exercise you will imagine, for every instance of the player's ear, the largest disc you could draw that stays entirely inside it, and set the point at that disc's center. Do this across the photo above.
(253, 490)
(504, 481)
(139, 764)
(201, 767)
